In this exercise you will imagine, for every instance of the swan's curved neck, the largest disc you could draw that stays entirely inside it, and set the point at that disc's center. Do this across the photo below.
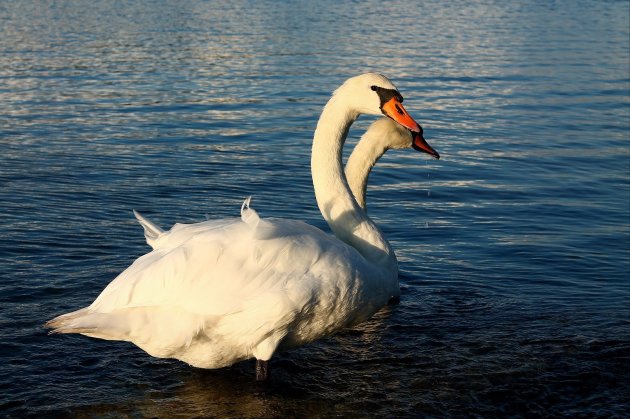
(363, 158)
(340, 210)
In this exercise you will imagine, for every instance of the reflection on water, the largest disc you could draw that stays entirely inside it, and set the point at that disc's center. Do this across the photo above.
(514, 268)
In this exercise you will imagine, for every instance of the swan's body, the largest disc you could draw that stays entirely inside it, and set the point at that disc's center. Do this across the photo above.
(215, 293)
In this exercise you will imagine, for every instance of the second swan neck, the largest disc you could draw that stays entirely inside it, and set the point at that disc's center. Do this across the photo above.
(360, 163)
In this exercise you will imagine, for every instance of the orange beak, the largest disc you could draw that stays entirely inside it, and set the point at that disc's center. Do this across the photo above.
(395, 110)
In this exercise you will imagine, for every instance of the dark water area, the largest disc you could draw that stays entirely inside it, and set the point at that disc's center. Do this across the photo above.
(514, 248)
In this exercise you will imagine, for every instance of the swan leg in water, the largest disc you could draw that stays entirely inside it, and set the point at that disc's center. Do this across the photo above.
(218, 292)
(262, 370)
(394, 301)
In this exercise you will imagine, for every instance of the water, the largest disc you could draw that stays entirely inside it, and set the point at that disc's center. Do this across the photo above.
(513, 249)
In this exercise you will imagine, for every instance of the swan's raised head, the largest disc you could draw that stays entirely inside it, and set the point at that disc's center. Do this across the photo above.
(374, 94)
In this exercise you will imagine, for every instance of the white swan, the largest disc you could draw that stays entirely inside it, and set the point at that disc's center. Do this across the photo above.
(243, 288)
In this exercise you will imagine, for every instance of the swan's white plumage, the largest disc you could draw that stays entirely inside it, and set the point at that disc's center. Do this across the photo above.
(217, 292)
(268, 280)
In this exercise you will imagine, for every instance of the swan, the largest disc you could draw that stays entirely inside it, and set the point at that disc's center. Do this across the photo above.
(248, 287)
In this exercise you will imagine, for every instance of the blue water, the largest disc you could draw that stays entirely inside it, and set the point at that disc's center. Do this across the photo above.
(514, 248)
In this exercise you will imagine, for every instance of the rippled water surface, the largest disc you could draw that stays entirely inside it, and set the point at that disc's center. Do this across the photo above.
(513, 248)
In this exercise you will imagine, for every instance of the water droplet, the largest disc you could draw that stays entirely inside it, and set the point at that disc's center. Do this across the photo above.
(429, 182)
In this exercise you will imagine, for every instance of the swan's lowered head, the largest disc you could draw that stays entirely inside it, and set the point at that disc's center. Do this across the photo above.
(384, 134)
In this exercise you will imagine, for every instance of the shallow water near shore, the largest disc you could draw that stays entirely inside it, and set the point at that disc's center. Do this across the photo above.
(514, 248)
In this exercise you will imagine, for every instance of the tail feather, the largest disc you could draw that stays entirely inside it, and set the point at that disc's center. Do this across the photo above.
(157, 330)
(151, 231)
(84, 322)
(64, 323)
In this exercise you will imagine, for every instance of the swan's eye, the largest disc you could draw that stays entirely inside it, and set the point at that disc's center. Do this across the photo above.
(374, 88)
